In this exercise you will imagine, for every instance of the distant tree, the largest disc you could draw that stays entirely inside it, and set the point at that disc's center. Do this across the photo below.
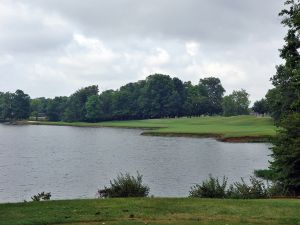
(20, 105)
(6, 101)
(158, 91)
(214, 92)
(56, 108)
(261, 106)
(157, 96)
(76, 110)
(38, 106)
(236, 103)
(178, 97)
(196, 102)
(34, 108)
(93, 108)
(106, 104)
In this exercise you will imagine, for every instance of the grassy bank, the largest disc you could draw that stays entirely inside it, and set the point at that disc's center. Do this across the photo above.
(152, 211)
(233, 129)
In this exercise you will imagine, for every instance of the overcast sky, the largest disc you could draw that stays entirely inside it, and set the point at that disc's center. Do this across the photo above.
(54, 47)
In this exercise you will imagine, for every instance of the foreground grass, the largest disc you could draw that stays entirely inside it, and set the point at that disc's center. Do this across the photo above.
(236, 128)
(152, 211)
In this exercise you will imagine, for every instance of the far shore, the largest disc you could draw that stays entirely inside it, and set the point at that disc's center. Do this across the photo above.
(236, 129)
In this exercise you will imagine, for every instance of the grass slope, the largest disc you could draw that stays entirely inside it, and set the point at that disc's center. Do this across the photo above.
(152, 211)
(236, 128)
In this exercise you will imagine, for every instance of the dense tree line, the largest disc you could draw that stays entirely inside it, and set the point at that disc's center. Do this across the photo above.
(14, 106)
(158, 96)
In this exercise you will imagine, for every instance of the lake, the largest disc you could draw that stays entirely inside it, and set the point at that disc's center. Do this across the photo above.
(73, 162)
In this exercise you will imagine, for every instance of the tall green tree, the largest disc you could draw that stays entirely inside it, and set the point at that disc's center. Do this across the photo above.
(214, 92)
(76, 109)
(93, 108)
(38, 107)
(56, 108)
(106, 104)
(286, 149)
(20, 105)
(158, 92)
(196, 102)
(261, 106)
(6, 101)
(236, 103)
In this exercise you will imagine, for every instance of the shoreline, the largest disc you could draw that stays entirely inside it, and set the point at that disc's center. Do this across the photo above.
(150, 131)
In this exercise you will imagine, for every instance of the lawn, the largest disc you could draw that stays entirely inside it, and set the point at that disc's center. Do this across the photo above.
(152, 211)
(236, 128)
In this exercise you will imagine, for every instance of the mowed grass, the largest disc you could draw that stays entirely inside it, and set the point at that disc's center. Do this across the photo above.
(224, 128)
(140, 211)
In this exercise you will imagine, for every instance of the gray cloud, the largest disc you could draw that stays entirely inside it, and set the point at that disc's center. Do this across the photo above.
(217, 20)
(53, 47)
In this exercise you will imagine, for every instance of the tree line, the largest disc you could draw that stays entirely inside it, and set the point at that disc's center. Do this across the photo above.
(158, 96)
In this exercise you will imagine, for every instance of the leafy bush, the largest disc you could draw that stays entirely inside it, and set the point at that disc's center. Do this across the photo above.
(210, 188)
(125, 185)
(41, 196)
(256, 189)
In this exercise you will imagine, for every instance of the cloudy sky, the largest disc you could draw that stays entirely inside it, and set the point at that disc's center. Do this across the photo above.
(53, 47)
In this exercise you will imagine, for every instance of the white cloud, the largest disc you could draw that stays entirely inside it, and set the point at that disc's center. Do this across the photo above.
(86, 53)
(192, 48)
(6, 59)
(160, 57)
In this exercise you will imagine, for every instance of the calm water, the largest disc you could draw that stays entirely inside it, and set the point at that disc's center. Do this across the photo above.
(74, 162)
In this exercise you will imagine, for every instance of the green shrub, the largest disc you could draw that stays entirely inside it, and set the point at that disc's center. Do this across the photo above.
(256, 189)
(125, 185)
(210, 188)
(41, 196)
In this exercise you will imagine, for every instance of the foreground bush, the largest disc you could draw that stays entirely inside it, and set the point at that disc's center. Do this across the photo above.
(256, 189)
(41, 196)
(212, 188)
(125, 185)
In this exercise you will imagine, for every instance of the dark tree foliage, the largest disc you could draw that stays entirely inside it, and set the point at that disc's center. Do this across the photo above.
(38, 107)
(214, 92)
(106, 104)
(125, 186)
(286, 154)
(20, 105)
(274, 101)
(93, 108)
(196, 102)
(6, 106)
(261, 106)
(14, 106)
(158, 96)
(56, 108)
(286, 95)
(236, 103)
(284, 101)
(76, 106)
